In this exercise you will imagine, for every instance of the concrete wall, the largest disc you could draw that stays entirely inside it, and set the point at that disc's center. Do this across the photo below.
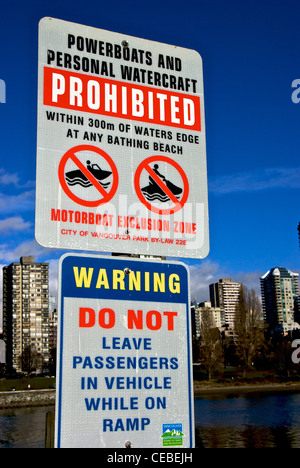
(27, 398)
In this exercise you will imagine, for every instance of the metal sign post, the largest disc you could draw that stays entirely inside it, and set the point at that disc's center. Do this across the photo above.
(125, 358)
(121, 151)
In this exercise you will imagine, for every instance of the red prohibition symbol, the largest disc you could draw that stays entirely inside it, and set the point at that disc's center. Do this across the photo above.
(89, 178)
(162, 184)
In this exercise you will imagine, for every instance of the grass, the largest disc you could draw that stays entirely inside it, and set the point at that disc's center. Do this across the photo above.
(35, 383)
(234, 376)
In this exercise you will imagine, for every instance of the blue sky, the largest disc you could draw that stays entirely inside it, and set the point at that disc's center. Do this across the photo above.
(250, 53)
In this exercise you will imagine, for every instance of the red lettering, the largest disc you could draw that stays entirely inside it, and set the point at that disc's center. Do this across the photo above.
(189, 228)
(55, 215)
(107, 318)
(153, 320)
(87, 317)
(136, 320)
(153, 324)
(170, 316)
(70, 90)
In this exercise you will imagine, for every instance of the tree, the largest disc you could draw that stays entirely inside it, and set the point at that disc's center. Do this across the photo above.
(52, 361)
(248, 327)
(31, 360)
(211, 349)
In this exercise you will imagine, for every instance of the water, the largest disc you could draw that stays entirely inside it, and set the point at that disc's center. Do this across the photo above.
(23, 427)
(247, 421)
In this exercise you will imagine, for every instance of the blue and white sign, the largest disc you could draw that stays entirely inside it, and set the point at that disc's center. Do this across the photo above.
(124, 354)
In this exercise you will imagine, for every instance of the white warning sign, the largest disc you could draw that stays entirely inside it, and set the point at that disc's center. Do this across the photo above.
(124, 373)
(121, 152)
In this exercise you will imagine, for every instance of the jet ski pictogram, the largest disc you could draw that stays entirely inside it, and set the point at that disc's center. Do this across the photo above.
(154, 192)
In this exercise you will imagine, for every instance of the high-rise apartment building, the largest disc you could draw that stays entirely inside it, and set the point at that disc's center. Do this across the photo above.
(25, 312)
(217, 316)
(52, 323)
(279, 290)
(226, 295)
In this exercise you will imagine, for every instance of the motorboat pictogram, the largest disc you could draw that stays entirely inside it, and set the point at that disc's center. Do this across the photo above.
(78, 178)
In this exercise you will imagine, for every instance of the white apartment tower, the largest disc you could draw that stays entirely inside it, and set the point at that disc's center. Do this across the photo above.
(26, 313)
(280, 294)
(217, 316)
(226, 295)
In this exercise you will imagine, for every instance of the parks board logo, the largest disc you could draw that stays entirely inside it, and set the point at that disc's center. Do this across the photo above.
(172, 435)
